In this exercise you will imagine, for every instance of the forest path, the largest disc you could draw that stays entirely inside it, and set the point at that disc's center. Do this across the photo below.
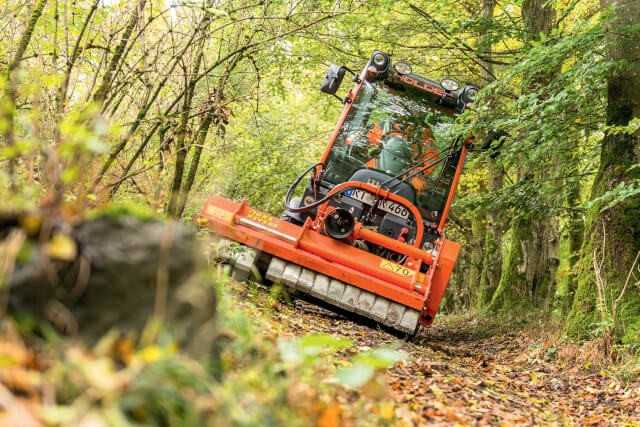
(461, 373)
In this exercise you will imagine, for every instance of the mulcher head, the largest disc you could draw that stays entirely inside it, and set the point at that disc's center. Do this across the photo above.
(327, 269)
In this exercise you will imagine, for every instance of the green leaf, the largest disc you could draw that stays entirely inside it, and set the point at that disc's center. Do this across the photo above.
(381, 358)
(355, 376)
(309, 347)
(319, 342)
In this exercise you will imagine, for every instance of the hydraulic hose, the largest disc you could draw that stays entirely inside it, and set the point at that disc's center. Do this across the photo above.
(333, 193)
(292, 190)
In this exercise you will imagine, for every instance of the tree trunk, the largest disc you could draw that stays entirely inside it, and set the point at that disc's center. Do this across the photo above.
(474, 272)
(485, 47)
(613, 296)
(575, 231)
(181, 156)
(512, 290)
(529, 267)
(492, 259)
(109, 75)
(539, 18)
(8, 106)
(546, 245)
(203, 131)
(181, 146)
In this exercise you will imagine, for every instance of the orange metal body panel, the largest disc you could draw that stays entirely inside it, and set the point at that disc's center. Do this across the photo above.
(446, 262)
(312, 250)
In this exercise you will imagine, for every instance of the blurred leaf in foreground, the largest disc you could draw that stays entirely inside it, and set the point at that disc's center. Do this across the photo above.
(366, 364)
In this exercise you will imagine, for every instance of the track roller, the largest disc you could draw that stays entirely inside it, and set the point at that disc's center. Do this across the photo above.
(242, 259)
(345, 296)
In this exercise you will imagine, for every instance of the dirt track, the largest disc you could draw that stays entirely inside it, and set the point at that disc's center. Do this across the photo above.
(463, 374)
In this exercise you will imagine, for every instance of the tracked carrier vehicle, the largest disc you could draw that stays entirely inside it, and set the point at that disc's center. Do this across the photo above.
(367, 233)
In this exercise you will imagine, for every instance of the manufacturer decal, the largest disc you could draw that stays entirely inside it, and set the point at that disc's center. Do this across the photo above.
(262, 218)
(398, 269)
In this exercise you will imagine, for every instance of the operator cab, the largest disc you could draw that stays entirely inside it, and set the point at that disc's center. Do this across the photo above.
(397, 136)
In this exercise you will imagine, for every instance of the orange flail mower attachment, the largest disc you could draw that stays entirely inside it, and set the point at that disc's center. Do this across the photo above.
(306, 247)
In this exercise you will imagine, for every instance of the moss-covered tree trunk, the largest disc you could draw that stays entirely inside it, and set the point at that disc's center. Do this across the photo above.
(491, 262)
(612, 238)
(546, 244)
(492, 257)
(476, 249)
(513, 287)
(531, 260)
(575, 233)
(528, 269)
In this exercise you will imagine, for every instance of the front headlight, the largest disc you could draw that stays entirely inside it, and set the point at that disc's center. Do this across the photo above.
(450, 84)
(379, 60)
(402, 68)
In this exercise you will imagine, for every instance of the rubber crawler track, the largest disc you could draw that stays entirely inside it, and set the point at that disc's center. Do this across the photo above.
(244, 262)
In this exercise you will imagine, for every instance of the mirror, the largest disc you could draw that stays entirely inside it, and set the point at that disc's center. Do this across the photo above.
(333, 79)
(469, 94)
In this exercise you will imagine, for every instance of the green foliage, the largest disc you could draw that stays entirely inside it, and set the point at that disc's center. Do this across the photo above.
(615, 196)
(268, 151)
(125, 208)
(365, 365)
(158, 395)
(307, 349)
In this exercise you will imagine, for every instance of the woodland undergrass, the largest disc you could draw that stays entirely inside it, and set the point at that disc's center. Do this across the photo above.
(253, 376)
(596, 349)
(125, 208)
(547, 340)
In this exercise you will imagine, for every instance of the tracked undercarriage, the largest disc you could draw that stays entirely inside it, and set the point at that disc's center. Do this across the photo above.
(245, 265)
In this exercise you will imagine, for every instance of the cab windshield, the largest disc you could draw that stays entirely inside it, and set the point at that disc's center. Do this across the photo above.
(400, 132)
